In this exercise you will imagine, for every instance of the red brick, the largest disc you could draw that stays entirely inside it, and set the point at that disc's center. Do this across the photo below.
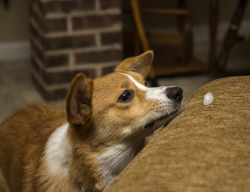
(34, 32)
(107, 70)
(68, 42)
(56, 60)
(107, 4)
(57, 6)
(66, 6)
(36, 67)
(111, 38)
(54, 25)
(95, 21)
(53, 78)
(49, 95)
(49, 61)
(98, 56)
(41, 61)
(36, 51)
(49, 25)
(34, 15)
(60, 77)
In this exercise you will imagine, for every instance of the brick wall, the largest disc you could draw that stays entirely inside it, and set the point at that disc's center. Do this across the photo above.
(72, 36)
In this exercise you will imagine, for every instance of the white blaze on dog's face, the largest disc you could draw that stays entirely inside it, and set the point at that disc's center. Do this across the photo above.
(124, 107)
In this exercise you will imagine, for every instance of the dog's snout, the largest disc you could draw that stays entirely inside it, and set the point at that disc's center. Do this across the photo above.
(174, 93)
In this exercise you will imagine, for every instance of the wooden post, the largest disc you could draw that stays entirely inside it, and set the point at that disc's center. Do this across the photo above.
(213, 21)
(231, 35)
(141, 31)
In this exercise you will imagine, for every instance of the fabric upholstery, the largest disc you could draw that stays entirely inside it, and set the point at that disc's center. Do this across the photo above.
(205, 148)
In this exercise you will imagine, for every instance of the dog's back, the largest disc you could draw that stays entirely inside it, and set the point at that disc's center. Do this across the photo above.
(22, 138)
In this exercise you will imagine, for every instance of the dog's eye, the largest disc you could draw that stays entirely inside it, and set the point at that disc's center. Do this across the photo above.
(126, 96)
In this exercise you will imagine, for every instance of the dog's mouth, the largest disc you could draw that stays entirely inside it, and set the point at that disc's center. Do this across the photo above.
(161, 121)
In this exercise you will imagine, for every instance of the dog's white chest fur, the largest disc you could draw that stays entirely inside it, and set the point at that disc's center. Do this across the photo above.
(114, 160)
(58, 151)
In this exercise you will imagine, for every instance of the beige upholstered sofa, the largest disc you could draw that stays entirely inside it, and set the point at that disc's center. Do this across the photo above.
(205, 148)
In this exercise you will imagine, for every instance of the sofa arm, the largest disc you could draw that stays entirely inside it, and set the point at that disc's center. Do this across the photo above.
(205, 148)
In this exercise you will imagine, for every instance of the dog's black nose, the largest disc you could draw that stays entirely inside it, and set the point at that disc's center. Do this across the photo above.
(174, 93)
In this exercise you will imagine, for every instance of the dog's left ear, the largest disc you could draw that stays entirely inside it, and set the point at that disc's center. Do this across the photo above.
(78, 104)
(140, 64)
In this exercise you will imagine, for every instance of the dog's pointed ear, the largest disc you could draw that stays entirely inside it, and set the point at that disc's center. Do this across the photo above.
(78, 104)
(140, 64)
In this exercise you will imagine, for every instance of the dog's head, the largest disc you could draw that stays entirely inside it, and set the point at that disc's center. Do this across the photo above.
(119, 106)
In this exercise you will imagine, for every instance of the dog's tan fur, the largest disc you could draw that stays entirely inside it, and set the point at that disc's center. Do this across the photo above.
(100, 128)
(22, 140)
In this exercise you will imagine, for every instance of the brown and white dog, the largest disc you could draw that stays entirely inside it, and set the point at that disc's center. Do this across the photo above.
(42, 148)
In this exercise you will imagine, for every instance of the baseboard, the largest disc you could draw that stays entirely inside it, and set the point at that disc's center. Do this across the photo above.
(14, 51)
